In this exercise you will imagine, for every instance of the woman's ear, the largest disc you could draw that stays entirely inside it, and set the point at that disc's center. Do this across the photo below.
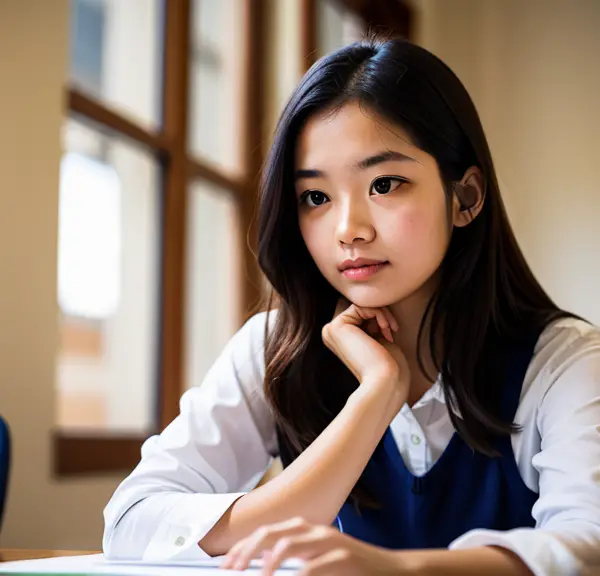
(469, 195)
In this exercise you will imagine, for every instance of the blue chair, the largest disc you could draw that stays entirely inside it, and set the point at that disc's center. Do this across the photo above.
(4, 463)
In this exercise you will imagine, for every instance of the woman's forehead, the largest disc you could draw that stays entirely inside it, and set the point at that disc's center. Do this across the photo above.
(348, 134)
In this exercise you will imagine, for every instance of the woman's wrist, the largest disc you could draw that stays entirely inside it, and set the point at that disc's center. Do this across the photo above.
(387, 393)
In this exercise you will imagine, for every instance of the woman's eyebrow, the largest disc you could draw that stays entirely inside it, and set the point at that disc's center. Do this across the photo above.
(381, 157)
(386, 156)
(300, 174)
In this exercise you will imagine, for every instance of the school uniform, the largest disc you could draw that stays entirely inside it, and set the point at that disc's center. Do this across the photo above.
(540, 498)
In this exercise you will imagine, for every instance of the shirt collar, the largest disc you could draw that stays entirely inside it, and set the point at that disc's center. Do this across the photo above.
(434, 394)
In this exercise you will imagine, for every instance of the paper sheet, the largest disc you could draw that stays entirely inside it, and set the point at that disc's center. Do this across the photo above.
(96, 564)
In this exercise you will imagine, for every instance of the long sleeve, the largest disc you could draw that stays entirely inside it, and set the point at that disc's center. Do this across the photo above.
(216, 450)
(566, 538)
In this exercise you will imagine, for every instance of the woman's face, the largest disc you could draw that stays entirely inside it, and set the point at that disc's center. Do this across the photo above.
(372, 208)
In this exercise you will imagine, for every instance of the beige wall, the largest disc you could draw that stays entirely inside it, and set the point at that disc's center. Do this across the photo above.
(42, 511)
(532, 69)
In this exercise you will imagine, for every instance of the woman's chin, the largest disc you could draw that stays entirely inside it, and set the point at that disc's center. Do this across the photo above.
(369, 298)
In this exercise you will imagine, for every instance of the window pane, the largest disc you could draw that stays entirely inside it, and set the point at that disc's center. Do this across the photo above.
(216, 83)
(336, 26)
(108, 250)
(116, 54)
(214, 277)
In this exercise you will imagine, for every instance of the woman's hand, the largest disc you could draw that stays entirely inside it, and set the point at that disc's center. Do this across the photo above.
(328, 552)
(362, 338)
(325, 550)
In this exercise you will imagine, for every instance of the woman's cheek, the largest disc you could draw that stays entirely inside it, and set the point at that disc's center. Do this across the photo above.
(404, 231)
(419, 237)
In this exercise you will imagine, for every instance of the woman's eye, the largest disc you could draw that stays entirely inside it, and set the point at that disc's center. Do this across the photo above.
(386, 184)
(314, 198)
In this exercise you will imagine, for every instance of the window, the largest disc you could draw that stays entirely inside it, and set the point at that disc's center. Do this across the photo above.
(108, 281)
(116, 55)
(213, 276)
(88, 20)
(161, 146)
(216, 79)
(163, 141)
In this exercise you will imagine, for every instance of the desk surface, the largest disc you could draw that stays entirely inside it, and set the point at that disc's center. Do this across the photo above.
(12, 554)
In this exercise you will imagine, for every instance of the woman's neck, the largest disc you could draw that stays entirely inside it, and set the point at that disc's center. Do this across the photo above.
(409, 315)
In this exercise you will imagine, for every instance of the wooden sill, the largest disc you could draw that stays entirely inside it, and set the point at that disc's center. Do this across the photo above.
(95, 454)
(86, 454)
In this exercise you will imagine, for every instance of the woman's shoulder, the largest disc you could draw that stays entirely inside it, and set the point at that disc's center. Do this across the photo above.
(247, 345)
(564, 369)
(254, 329)
(241, 362)
(563, 343)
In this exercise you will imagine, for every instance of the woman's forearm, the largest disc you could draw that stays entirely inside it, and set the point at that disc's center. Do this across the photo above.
(488, 560)
(317, 483)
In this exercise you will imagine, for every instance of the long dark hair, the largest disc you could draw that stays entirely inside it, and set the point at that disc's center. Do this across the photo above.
(487, 295)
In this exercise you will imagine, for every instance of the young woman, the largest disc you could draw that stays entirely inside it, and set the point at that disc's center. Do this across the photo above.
(434, 410)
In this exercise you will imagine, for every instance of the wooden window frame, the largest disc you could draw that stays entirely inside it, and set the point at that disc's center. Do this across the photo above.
(78, 453)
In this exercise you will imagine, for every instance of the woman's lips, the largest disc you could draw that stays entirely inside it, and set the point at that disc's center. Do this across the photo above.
(363, 272)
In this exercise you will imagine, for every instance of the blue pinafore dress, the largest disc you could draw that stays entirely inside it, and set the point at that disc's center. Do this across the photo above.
(464, 490)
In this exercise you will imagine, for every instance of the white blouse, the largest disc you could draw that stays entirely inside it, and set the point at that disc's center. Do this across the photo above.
(223, 441)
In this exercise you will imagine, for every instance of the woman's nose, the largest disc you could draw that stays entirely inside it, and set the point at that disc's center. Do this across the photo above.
(355, 225)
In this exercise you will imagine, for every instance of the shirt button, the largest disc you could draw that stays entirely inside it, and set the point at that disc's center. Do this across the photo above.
(180, 541)
(416, 440)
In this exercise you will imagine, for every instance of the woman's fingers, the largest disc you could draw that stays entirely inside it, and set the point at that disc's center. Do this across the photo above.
(391, 319)
(385, 321)
(337, 562)
(324, 550)
(353, 336)
(240, 555)
(306, 546)
(366, 314)
(384, 324)
(371, 319)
